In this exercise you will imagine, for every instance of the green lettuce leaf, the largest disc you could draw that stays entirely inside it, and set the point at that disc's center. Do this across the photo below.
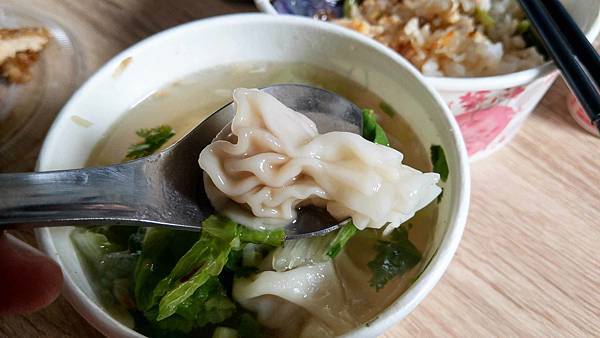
(211, 267)
(225, 332)
(108, 261)
(341, 238)
(227, 230)
(208, 305)
(248, 327)
(93, 246)
(219, 227)
(373, 131)
(235, 265)
(110, 266)
(216, 230)
(303, 251)
(298, 252)
(190, 261)
(116, 234)
(161, 249)
(221, 239)
(272, 237)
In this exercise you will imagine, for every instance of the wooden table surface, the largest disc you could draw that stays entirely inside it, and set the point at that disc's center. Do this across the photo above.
(529, 261)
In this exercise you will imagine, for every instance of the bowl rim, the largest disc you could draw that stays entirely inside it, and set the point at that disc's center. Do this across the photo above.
(502, 81)
(430, 275)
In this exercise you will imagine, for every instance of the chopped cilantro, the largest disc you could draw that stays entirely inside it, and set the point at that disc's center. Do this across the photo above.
(154, 138)
(395, 256)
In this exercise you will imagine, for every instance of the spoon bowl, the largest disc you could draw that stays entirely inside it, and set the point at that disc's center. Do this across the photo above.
(164, 189)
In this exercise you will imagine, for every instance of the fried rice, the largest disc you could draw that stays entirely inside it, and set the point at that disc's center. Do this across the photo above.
(457, 38)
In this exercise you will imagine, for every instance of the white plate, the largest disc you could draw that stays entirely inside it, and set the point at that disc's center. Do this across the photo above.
(25, 109)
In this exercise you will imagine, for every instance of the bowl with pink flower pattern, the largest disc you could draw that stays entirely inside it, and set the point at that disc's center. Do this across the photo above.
(491, 109)
(579, 115)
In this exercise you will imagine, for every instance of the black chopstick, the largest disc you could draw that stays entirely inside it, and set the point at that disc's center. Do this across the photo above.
(575, 37)
(576, 60)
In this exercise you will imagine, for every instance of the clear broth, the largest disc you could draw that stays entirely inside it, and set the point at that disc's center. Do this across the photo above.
(185, 103)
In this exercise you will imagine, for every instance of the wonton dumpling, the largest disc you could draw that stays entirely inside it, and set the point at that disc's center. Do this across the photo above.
(323, 299)
(275, 159)
(276, 296)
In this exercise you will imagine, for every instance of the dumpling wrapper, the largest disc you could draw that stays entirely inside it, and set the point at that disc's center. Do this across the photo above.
(275, 160)
(324, 299)
(278, 299)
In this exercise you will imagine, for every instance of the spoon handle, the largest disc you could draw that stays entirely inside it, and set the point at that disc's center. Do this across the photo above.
(92, 196)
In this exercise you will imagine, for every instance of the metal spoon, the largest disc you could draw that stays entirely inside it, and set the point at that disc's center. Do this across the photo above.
(164, 189)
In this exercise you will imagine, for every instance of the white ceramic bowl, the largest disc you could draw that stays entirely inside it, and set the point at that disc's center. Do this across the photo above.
(490, 110)
(173, 54)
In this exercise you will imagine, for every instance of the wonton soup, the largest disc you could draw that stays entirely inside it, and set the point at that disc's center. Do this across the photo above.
(234, 280)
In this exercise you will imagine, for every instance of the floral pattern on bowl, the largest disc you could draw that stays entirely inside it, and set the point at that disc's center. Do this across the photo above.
(481, 127)
(488, 119)
(580, 116)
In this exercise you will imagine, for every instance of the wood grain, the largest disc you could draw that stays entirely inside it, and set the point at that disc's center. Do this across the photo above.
(529, 262)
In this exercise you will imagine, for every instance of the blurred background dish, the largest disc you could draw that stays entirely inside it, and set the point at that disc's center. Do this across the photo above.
(490, 110)
(27, 109)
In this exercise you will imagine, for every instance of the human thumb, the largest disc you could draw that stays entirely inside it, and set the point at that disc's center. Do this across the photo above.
(29, 280)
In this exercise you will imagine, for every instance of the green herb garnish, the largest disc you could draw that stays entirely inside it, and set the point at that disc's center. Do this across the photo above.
(484, 18)
(348, 8)
(523, 27)
(154, 138)
(342, 237)
(373, 131)
(438, 160)
(531, 38)
(395, 256)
